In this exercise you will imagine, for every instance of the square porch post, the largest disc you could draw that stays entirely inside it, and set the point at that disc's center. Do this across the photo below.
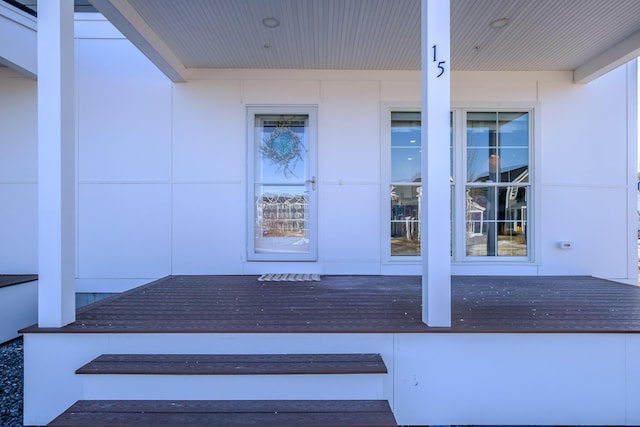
(436, 209)
(56, 164)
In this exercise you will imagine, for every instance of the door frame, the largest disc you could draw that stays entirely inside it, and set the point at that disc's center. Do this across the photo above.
(311, 111)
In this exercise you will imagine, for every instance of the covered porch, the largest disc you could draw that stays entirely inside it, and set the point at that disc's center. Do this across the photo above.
(455, 350)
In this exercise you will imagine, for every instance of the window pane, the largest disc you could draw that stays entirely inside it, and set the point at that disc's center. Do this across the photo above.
(451, 146)
(479, 221)
(510, 242)
(478, 164)
(481, 129)
(513, 141)
(514, 164)
(482, 147)
(281, 144)
(405, 164)
(497, 147)
(405, 219)
(477, 242)
(405, 147)
(498, 152)
(514, 129)
(281, 219)
(512, 217)
(496, 221)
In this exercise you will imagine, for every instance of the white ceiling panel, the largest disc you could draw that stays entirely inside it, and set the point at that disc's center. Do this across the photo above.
(320, 34)
(376, 34)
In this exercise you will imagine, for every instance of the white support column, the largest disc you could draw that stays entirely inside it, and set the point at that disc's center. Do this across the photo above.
(56, 164)
(632, 168)
(436, 216)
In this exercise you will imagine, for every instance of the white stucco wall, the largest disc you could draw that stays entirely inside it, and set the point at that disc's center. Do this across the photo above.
(162, 167)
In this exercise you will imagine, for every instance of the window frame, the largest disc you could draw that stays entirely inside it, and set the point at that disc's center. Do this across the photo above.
(460, 243)
(385, 169)
(459, 184)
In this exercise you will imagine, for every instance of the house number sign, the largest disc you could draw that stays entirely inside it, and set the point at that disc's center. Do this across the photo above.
(440, 64)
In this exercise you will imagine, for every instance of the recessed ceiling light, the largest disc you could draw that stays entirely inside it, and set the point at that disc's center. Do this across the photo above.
(499, 23)
(413, 141)
(271, 22)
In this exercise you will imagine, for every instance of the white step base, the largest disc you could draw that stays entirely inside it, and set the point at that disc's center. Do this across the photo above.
(234, 387)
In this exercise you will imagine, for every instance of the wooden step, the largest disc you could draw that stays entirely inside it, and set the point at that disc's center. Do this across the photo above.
(235, 364)
(228, 413)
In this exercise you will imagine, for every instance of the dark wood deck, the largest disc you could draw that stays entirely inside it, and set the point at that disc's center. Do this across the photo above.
(264, 413)
(16, 279)
(234, 364)
(362, 304)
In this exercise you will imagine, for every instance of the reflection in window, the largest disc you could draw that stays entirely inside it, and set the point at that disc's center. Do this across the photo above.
(405, 191)
(497, 186)
(281, 199)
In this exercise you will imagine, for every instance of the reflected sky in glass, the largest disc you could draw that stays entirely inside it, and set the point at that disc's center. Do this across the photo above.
(497, 146)
(406, 151)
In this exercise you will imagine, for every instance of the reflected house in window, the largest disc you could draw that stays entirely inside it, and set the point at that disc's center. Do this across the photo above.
(515, 204)
(512, 205)
(405, 219)
(281, 215)
(497, 216)
(475, 217)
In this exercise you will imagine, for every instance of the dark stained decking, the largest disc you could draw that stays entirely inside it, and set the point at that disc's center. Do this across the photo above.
(16, 279)
(235, 364)
(362, 304)
(269, 413)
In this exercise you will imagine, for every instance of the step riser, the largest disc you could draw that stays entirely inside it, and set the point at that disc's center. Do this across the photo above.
(225, 387)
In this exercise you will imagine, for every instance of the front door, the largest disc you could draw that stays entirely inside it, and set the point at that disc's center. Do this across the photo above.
(282, 179)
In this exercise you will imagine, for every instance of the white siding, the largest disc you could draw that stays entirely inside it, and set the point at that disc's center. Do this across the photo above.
(349, 174)
(584, 176)
(18, 174)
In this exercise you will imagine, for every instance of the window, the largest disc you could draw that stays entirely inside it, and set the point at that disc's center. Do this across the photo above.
(490, 184)
(405, 190)
(497, 184)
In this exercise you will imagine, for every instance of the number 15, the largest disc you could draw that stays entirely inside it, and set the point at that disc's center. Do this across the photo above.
(440, 63)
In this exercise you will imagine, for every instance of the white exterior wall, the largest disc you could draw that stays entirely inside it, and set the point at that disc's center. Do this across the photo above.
(162, 167)
(18, 308)
(18, 174)
(585, 178)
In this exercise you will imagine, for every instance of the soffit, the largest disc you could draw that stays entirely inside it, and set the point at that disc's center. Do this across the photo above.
(541, 35)
(385, 34)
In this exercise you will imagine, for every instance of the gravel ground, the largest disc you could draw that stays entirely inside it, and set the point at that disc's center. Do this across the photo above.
(11, 376)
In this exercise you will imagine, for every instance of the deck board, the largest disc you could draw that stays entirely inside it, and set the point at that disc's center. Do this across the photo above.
(16, 279)
(362, 304)
(115, 413)
(235, 364)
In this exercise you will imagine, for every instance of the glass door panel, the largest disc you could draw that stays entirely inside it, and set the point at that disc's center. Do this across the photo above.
(284, 185)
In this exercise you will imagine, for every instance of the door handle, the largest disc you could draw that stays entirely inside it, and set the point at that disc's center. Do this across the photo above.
(312, 181)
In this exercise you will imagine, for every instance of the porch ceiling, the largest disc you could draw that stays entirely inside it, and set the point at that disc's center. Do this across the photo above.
(588, 37)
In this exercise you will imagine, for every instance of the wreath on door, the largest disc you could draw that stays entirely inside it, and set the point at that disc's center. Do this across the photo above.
(284, 148)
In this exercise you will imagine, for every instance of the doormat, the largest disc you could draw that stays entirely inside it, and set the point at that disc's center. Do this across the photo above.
(289, 277)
